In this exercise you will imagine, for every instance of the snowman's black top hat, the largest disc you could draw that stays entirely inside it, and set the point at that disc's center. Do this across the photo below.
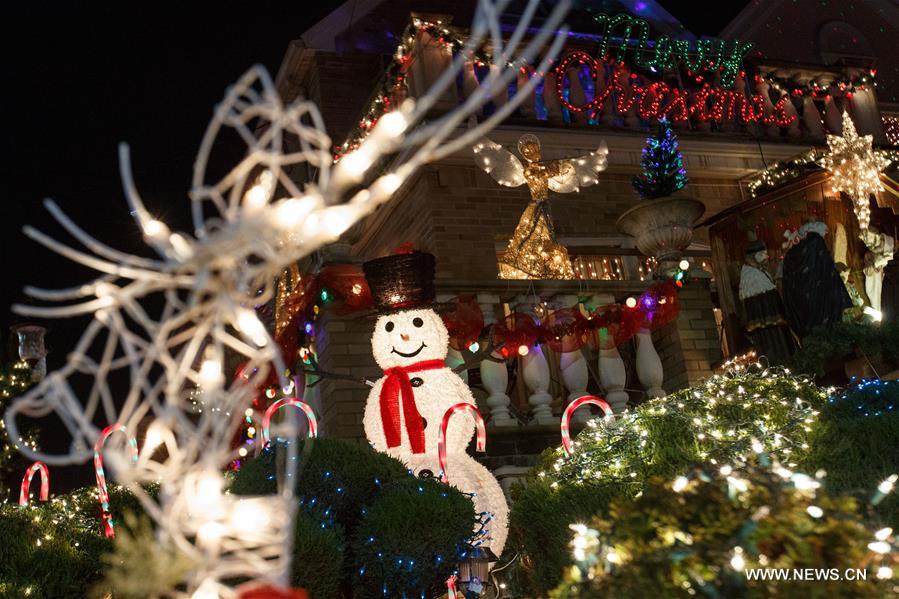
(401, 281)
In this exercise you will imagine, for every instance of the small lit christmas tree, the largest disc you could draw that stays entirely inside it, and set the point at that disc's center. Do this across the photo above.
(15, 378)
(663, 165)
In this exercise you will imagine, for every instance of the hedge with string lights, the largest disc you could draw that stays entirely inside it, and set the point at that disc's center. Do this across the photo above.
(55, 548)
(720, 419)
(388, 533)
(699, 533)
(856, 441)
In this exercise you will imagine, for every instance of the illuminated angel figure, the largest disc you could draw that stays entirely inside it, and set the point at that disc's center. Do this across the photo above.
(533, 252)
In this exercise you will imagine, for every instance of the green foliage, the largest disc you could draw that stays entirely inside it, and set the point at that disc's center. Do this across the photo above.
(878, 342)
(856, 441)
(139, 566)
(682, 543)
(411, 539)
(663, 165)
(359, 494)
(54, 548)
(318, 556)
(718, 419)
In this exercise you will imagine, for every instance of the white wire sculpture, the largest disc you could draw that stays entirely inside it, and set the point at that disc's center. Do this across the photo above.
(248, 227)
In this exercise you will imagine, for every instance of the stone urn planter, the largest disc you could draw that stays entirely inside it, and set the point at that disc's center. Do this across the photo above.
(662, 228)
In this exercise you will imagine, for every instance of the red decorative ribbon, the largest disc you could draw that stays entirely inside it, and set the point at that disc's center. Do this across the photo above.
(398, 384)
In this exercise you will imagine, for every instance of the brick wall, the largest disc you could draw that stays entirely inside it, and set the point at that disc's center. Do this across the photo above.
(343, 347)
(458, 212)
(689, 346)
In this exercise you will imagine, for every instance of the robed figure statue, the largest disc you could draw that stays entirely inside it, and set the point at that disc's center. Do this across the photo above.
(766, 321)
(814, 293)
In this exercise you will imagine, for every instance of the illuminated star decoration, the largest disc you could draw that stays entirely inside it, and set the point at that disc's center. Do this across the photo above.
(855, 168)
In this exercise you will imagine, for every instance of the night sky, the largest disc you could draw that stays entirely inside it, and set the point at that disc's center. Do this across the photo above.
(79, 79)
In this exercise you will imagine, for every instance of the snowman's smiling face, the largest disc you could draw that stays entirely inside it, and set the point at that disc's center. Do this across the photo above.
(407, 337)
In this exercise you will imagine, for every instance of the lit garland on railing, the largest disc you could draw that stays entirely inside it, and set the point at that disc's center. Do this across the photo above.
(705, 104)
(781, 173)
(846, 84)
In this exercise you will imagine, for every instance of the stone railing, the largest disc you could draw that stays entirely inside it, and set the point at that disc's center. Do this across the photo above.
(539, 384)
(626, 108)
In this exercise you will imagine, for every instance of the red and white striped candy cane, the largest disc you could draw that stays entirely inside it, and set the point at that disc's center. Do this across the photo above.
(451, 587)
(566, 417)
(26, 482)
(288, 401)
(109, 525)
(441, 440)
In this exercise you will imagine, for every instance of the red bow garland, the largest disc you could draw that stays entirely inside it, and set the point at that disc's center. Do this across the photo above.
(396, 385)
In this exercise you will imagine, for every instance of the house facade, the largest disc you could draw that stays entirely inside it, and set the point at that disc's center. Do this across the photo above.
(624, 66)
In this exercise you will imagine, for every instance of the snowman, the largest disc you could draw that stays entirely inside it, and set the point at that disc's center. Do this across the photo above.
(406, 406)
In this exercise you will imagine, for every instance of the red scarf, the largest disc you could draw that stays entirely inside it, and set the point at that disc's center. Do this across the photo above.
(396, 385)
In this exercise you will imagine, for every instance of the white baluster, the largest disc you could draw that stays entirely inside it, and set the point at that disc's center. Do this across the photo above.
(494, 375)
(550, 99)
(833, 118)
(454, 358)
(812, 118)
(575, 376)
(535, 369)
(495, 378)
(613, 376)
(649, 365)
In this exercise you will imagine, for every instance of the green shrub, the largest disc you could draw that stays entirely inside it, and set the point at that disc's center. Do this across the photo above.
(361, 494)
(410, 539)
(856, 441)
(718, 419)
(317, 556)
(55, 548)
(878, 342)
(681, 540)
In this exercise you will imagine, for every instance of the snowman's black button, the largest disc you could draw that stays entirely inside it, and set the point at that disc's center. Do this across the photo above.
(416, 382)
(425, 474)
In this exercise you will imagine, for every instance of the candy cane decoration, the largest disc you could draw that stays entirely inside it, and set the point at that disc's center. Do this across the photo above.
(288, 401)
(451, 587)
(591, 399)
(26, 482)
(441, 440)
(109, 525)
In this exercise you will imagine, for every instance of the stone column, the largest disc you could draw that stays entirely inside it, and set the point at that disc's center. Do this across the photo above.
(575, 376)
(535, 370)
(494, 375)
(649, 365)
(613, 376)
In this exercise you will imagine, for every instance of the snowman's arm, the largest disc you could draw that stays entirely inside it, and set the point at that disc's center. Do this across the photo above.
(371, 419)
(463, 392)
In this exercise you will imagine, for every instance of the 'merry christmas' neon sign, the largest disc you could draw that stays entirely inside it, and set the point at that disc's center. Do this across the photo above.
(656, 100)
(666, 53)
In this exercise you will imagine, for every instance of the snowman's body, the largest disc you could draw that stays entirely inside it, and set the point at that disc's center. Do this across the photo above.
(408, 340)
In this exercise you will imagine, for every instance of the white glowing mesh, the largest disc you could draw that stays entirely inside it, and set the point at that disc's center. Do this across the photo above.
(161, 326)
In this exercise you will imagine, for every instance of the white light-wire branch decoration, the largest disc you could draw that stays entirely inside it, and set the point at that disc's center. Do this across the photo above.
(248, 227)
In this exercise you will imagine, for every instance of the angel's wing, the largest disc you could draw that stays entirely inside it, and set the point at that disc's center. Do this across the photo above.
(502, 165)
(581, 171)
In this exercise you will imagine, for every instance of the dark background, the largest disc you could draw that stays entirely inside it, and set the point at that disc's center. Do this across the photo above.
(79, 79)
